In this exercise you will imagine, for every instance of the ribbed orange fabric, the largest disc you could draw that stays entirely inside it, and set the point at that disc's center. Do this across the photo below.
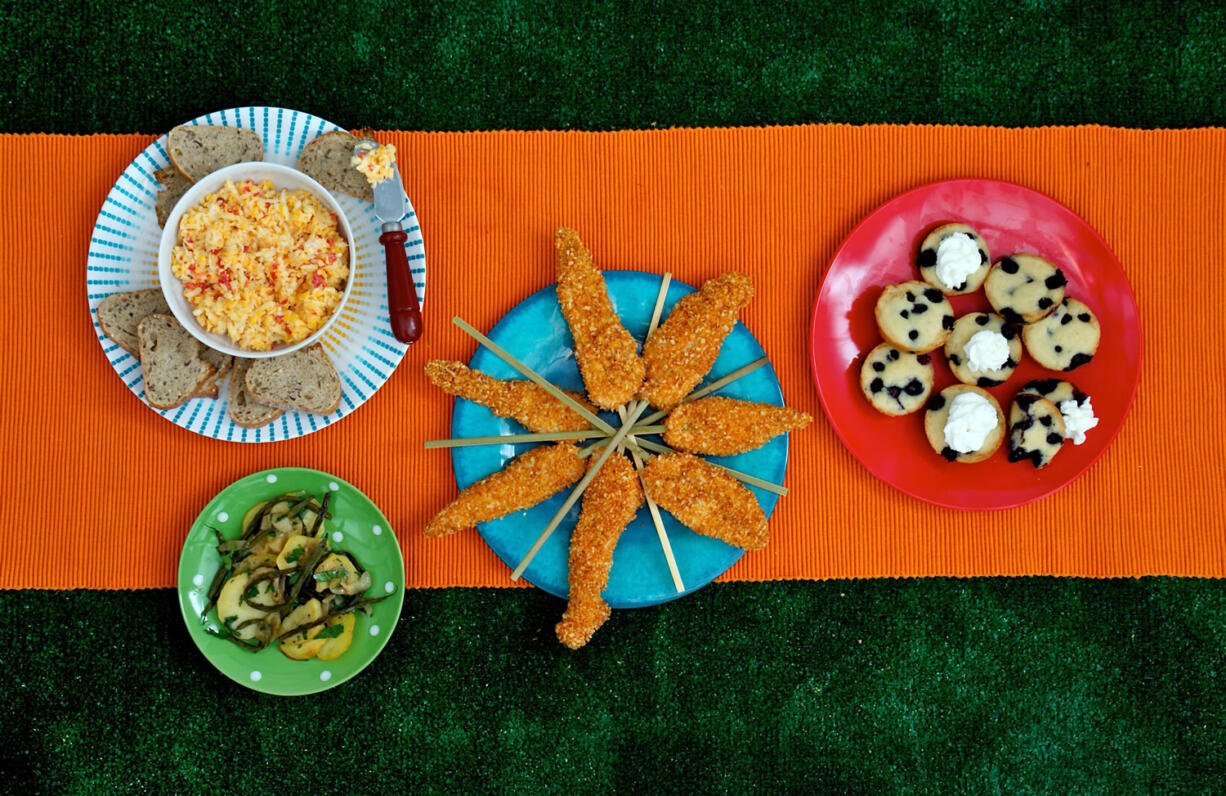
(97, 493)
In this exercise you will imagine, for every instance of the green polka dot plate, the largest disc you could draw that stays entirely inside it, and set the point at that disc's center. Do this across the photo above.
(356, 526)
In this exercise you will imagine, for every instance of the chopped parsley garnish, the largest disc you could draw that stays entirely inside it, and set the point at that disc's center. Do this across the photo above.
(331, 574)
(332, 631)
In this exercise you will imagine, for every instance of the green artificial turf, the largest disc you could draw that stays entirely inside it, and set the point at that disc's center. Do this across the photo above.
(103, 67)
(991, 685)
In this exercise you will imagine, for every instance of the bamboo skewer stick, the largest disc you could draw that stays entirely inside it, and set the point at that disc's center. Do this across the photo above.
(659, 308)
(719, 383)
(575, 494)
(652, 508)
(551, 436)
(533, 376)
(656, 519)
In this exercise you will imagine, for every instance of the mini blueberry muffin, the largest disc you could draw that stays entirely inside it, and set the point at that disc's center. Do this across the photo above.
(1036, 430)
(1054, 390)
(964, 424)
(983, 349)
(896, 382)
(1074, 405)
(1064, 340)
(914, 316)
(1024, 287)
(954, 259)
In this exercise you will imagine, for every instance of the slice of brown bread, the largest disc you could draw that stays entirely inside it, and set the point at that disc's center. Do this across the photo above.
(170, 360)
(174, 185)
(243, 410)
(304, 380)
(221, 363)
(199, 149)
(120, 313)
(326, 160)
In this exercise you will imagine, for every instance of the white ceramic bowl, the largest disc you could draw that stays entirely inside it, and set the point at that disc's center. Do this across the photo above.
(172, 287)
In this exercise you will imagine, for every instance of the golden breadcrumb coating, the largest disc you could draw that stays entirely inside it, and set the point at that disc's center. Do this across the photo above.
(725, 426)
(529, 404)
(706, 499)
(683, 349)
(606, 353)
(609, 504)
(526, 480)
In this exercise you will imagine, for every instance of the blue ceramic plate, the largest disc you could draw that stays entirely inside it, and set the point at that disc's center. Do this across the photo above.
(536, 333)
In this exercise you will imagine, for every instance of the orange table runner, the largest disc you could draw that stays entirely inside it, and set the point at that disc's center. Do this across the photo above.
(99, 491)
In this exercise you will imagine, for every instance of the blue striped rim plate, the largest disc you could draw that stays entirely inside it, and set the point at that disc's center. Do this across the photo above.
(123, 256)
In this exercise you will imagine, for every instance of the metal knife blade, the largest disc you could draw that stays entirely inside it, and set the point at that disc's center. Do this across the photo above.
(391, 203)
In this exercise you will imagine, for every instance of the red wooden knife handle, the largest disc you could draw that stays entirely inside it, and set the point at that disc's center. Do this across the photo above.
(401, 293)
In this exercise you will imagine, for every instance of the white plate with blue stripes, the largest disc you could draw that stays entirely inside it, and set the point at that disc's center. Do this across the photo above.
(123, 256)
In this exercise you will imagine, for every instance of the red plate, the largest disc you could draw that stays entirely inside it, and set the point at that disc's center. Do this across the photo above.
(881, 251)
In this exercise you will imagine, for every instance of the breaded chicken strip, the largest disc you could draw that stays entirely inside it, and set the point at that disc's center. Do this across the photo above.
(725, 426)
(523, 401)
(683, 349)
(706, 499)
(609, 504)
(606, 353)
(526, 480)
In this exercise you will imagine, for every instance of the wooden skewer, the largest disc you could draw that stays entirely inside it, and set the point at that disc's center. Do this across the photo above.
(656, 312)
(552, 436)
(656, 519)
(720, 383)
(533, 376)
(575, 494)
(659, 308)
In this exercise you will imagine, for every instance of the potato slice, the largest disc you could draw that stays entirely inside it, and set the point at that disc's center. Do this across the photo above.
(298, 647)
(251, 512)
(337, 574)
(334, 647)
(293, 545)
(233, 610)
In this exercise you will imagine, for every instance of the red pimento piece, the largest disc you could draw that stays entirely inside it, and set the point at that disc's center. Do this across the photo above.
(317, 279)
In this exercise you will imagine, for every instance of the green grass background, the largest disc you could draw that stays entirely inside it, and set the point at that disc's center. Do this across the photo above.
(937, 685)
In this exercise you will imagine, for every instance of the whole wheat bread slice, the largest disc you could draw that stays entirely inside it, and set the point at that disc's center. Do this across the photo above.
(243, 410)
(174, 185)
(199, 149)
(170, 360)
(120, 313)
(221, 363)
(326, 160)
(304, 380)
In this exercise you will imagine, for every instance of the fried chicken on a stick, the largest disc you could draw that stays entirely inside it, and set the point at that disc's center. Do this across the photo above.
(606, 353)
(527, 480)
(682, 350)
(609, 504)
(706, 499)
(529, 404)
(720, 426)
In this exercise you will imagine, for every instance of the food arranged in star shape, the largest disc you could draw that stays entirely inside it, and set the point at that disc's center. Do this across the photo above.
(617, 469)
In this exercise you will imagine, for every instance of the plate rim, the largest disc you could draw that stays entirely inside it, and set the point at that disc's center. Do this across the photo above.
(189, 615)
(881, 209)
(778, 393)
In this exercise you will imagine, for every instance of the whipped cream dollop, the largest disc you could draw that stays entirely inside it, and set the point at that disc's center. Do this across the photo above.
(971, 418)
(1078, 419)
(986, 350)
(957, 258)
